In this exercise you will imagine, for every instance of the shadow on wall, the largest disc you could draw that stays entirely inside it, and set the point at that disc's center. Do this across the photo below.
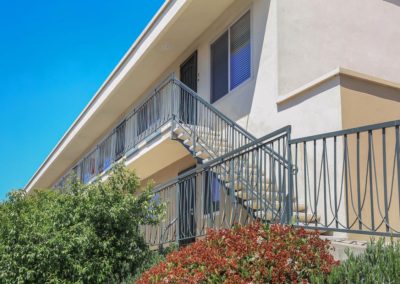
(307, 94)
(394, 2)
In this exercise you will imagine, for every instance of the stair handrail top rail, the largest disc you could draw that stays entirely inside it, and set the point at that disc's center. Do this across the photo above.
(230, 155)
(232, 123)
(353, 130)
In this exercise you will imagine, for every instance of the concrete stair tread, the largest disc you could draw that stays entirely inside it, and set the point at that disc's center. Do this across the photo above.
(270, 196)
(183, 136)
(255, 185)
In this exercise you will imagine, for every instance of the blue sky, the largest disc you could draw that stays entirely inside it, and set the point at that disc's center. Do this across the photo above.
(54, 55)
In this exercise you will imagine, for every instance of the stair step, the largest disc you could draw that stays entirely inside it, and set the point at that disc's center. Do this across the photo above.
(253, 179)
(203, 155)
(188, 142)
(183, 136)
(247, 169)
(178, 130)
(266, 215)
(258, 205)
(267, 196)
(302, 217)
(244, 184)
(306, 217)
(198, 147)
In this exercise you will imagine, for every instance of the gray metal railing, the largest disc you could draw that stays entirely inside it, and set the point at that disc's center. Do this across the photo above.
(237, 187)
(349, 180)
(345, 181)
(171, 101)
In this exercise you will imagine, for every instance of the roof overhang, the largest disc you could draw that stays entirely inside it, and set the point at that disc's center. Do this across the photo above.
(175, 26)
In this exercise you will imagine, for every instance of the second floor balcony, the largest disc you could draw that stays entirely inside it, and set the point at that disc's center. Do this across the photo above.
(172, 103)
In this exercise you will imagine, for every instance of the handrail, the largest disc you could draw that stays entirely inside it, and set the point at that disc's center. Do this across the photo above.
(157, 114)
(347, 131)
(236, 126)
(232, 154)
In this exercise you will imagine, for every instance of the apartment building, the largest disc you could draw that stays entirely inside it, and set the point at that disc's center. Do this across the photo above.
(251, 109)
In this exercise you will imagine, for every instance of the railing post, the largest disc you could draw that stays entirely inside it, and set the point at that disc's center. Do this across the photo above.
(289, 204)
(177, 213)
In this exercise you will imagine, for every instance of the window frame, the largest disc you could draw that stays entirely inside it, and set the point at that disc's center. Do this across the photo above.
(208, 188)
(217, 37)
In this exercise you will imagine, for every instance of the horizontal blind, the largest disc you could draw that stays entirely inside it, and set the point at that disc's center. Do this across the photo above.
(240, 55)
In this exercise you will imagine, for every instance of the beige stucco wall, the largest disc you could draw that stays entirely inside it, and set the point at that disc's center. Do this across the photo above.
(171, 171)
(365, 103)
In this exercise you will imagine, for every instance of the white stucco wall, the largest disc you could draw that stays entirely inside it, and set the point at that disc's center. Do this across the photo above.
(316, 36)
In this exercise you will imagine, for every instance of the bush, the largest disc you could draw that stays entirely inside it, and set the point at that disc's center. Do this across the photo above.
(154, 258)
(89, 234)
(379, 264)
(251, 254)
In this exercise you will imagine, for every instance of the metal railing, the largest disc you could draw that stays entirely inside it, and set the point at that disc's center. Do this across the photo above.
(144, 120)
(349, 180)
(237, 187)
(171, 101)
(211, 128)
(344, 181)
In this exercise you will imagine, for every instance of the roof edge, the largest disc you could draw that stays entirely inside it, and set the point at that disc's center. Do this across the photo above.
(167, 4)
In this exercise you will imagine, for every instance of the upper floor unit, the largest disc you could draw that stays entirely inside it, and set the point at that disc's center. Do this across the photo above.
(246, 59)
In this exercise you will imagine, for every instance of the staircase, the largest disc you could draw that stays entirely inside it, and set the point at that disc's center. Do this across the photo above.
(209, 135)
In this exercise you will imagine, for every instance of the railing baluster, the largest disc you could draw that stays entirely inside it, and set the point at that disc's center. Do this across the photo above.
(359, 217)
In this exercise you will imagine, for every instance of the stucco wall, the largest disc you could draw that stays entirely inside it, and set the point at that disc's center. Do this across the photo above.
(367, 103)
(316, 36)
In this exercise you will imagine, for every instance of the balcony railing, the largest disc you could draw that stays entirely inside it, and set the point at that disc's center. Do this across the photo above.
(349, 179)
(345, 181)
(172, 101)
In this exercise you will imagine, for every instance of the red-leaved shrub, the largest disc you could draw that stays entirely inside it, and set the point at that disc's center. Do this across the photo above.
(250, 254)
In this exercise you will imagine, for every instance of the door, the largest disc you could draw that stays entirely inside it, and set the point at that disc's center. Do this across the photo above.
(186, 209)
(188, 76)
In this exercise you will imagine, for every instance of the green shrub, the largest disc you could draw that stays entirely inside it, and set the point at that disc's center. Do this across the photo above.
(154, 258)
(379, 264)
(89, 234)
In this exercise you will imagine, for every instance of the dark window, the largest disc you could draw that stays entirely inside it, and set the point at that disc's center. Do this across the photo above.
(212, 194)
(142, 120)
(231, 58)
(120, 140)
(105, 156)
(219, 68)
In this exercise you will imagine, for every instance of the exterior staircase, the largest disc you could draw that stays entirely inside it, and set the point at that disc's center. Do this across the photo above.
(253, 188)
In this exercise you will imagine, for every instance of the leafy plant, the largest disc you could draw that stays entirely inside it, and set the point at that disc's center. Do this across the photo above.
(88, 234)
(154, 258)
(379, 264)
(250, 254)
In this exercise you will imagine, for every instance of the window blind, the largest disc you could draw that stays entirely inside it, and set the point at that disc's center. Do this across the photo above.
(240, 55)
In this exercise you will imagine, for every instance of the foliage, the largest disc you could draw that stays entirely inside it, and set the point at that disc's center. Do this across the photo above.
(250, 254)
(88, 234)
(379, 264)
(154, 258)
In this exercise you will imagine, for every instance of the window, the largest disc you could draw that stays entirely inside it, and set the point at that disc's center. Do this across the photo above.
(120, 140)
(105, 156)
(148, 115)
(213, 188)
(89, 167)
(231, 58)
